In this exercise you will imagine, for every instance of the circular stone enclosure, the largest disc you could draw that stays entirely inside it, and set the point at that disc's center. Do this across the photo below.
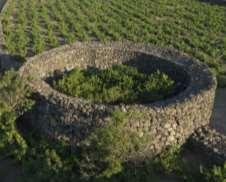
(167, 122)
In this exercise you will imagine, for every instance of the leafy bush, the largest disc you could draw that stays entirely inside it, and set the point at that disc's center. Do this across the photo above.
(216, 174)
(106, 149)
(169, 161)
(14, 93)
(14, 101)
(47, 161)
(120, 83)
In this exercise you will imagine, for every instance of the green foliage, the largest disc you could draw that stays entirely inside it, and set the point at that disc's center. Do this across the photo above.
(14, 101)
(105, 150)
(216, 174)
(169, 161)
(42, 162)
(13, 93)
(52, 38)
(11, 142)
(120, 83)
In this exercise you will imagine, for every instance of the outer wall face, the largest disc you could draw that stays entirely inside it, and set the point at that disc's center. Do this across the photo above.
(167, 122)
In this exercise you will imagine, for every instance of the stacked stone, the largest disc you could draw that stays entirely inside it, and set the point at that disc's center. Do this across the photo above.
(167, 122)
(211, 143)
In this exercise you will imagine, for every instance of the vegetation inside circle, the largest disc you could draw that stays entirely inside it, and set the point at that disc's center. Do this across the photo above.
(118, 84)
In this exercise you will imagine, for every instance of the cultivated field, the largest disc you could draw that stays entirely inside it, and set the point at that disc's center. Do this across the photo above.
(195, 27)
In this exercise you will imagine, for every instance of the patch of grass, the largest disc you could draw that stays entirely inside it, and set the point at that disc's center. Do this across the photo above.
(118, 84)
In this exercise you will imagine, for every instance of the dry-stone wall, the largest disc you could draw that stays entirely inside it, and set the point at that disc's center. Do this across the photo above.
(211, 143)
(167, 122)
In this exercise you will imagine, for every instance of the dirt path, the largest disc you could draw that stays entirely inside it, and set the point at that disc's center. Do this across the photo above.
(219, 114)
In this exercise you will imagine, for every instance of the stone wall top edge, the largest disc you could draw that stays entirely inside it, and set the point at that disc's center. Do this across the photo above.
(184, 96)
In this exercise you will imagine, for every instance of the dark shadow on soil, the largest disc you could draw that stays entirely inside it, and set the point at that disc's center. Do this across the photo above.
(215, 2)
(10, 171)
(8, 62)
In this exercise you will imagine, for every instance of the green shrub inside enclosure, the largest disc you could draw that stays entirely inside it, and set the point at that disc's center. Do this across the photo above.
(118, 84)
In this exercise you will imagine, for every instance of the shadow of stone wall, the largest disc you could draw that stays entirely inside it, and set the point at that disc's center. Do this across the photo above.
(210, 143)
(8, 62)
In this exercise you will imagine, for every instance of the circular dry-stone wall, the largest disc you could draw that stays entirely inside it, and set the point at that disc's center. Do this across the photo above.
(167, 122)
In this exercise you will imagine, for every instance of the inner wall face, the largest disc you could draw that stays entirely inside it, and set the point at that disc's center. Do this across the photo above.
(106, 57)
